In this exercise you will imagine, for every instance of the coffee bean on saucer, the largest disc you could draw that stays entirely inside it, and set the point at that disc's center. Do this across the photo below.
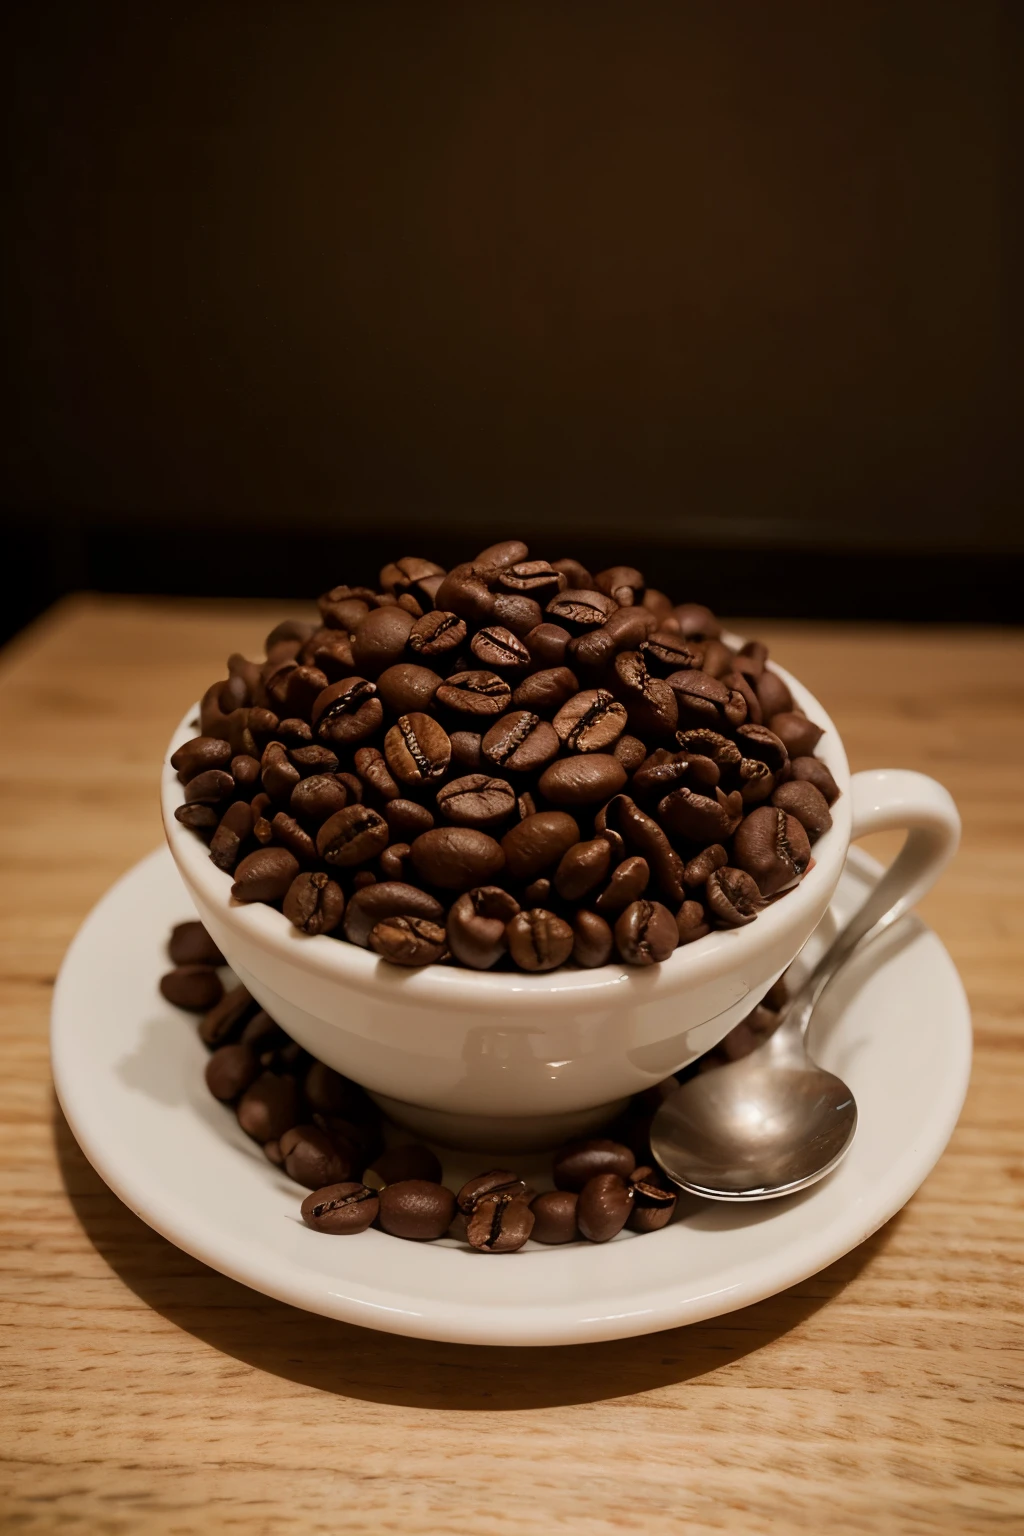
(417, 1209)
(645, 933)
(476, 800)
(592, 939)
(578, 1161)
(604, 1206)
(691, 922)
(476, 925)
(269, 1107)
(554, 1217)
(539, 940)
(265, 875)
(408, 940)
(227, 1018)
(812, 770)
(500, 1223)
(582, 780)
(411, 1161)
(417, 749)
(538, 843)
(190, 944)
(799, 735)
(474, 695)
(520, 742)
(733, 897)
(352, 836)
(802, 799)
(772, 846)
(653, 1205)
(314, 903)
(230, 1070)
(456, 858)
(387, 899)
(195, 987)
(341, 1209)
(312, 1158)
(498, 1181)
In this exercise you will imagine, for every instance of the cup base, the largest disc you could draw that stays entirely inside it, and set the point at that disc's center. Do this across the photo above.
(497, 1133)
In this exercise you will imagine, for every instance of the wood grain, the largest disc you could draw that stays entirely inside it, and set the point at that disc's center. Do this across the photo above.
(143, 1392)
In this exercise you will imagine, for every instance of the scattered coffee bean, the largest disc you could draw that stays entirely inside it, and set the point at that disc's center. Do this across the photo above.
(500, 1223)
(579, 1161)
(230, 1070)
(312, 1158)
(269, 1107)
(554, 1217)
(226, 1019)
(603, 1207)
(195, 987)
(418, 1209)
(412, 1161)
(190, 944)
(341, 1208)
(653, 1204)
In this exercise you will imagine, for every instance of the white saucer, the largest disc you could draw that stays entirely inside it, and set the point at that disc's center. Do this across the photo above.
(129, 1073)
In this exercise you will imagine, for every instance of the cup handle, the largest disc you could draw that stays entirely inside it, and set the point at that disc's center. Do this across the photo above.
(884, 799)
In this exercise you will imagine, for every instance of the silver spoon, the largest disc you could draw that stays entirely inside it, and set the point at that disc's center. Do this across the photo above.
(774, 1121)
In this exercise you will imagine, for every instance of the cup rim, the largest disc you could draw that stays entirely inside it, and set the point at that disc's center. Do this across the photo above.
(336, 960)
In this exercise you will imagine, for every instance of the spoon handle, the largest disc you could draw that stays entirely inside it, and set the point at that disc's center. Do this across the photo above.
(886, 799)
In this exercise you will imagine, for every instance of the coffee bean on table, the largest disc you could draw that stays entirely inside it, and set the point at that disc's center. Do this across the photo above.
(578, 1161)
(520, 742)
(195, 987)
(437, 633)
(539, 940)
(645, 933)
(417, 1209)
(582, 780)
(352, 836)
(805, 801)
(773, 847)
(314, 903)
(475, 694)
(538, 843)
(269, 1107)
(405, 687)
(733, 896)
(347, 712)
(190, 944)
(603, 1207)
(554, 1217)
(476, 925)
(341, 1209)
(498, 648)
(408, 940)
(265, 875)
(456, 858)
(500, 1223)
(230, 1070)
(411, 1161)
(417, 749)
(812, 770)
(476, 800)
(592, 939)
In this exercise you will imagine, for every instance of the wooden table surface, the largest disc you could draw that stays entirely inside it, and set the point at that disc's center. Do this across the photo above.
(144, 1392)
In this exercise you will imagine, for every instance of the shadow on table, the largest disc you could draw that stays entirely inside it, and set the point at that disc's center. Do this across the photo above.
(385, 1368)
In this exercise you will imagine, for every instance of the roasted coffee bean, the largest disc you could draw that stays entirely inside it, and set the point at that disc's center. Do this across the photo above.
(657, 603)
(387, 899)
(627, 627)
(380, 639)
(279, 775)
(211, 787)
(495, 647)
(341, 1209)
(245, 771)
(375, 774)
(200, 755)
(623, 583)
(799, 735)
(538, 843)
(691, 922)
(733, 896)
(467, 750)
(725, 754)
(190, 944)
(718, 658)
(758, 742)
(649, 701)
(772, 846)
(592, 940)
(516, 612)
(500, 557)
(437, 633)
(537, 578)
(756, 782)
(476, 926)
(265, 875)
(742, 685)
(699, 869)
(622, 820)
(347, 712)
(331, 651)
(405, 575)
(538, 940)
(233, 831)
(590, 721)
(773, 695)
(230, 1070)
(811, 770)
(195, 987)
(580, 609)
(352, 836)
(665, 653)
(696, 622)
(198, 818)
(630, 752)
(582, 780)
(498, 1181)
(417, 1209)
(576, 575)
(269, 1107)
(628, 882)
(477, 694)
(262, 831)
(407, 819)
(417, 749)
(313, 1159)
(329, 1093)
(456, 858)
(316, 798)
(546, 645)
(578, 1161)
(604, 1206)
(653, 1205)
(703, 700)
(804, 801)
(314, 903)
(520, 742)
(291, 835)
(476, 801)
(354, 787)
(500, 1223)
(583, 868)
(664, 771)
(592, 653)
(701, 818)
(464, 591)
(395, 863)
(303, 687)
(405, 687)
(538, 892)
(297, 735)
(645, 933)
(362, 878)
(526, 805)
(554, 1217)
(408, 941)
(411, 1161)
(225, 1020)
(343, 607)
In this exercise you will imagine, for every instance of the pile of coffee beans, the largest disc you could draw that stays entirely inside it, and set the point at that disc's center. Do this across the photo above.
(512, 764)
(326, 1133)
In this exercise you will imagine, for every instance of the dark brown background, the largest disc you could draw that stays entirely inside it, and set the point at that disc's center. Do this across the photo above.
(737, 279)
